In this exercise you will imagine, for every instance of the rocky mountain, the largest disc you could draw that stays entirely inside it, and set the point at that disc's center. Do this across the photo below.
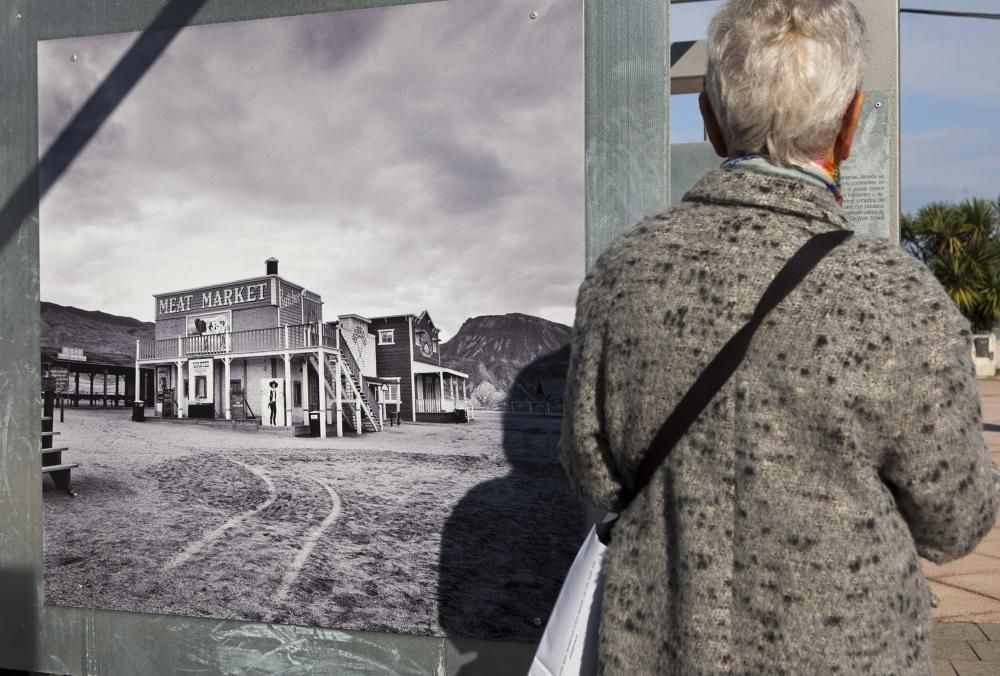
(513, 356)
(96, 332)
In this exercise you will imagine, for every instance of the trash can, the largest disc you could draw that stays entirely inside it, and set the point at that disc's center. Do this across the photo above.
(138, 410)
(314, 423)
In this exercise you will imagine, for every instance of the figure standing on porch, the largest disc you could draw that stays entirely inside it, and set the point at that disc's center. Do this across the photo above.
(272, 401)
(782, 533)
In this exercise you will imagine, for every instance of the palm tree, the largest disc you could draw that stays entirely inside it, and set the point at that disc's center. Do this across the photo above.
(961, 245)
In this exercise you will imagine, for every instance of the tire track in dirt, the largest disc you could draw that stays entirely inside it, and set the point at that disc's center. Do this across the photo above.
(309, 541)
(196, 547)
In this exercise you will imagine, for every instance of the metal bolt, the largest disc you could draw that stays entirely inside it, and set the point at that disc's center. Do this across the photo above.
(533, 16)
(538, 621)
(19, 16)
(73, 58)
(878, 104)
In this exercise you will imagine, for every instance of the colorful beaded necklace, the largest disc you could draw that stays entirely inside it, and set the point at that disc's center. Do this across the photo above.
(829, 170)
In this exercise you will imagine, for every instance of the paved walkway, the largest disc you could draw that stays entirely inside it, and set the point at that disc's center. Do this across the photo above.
(967, 623)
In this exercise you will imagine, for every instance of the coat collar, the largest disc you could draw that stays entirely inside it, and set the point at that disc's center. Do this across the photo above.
(743, 187)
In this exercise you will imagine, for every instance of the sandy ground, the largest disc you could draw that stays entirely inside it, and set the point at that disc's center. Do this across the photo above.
(465, 530)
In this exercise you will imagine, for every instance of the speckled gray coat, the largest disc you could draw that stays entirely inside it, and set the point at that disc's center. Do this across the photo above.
(782, 534)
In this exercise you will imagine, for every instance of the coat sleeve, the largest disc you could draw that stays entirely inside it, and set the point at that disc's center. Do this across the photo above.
(583, 446)
(936, 463)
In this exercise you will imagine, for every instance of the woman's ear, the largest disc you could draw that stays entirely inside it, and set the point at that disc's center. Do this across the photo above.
(712, 127)
(848, 127)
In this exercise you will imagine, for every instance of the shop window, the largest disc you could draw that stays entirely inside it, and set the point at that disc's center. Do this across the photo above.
(297, 393)
(201, 387)
(393, 395)
(387, 336)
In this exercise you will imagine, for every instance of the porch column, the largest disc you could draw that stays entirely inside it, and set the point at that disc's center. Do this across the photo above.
(288, 383)
(321, 371)
(413, 395)
(180, 399)
(464, 395)
(105, 388)
(116, 390)
(76, 399)
(338, 394)
(138, 373)
(441, 394)
(91, 390)
(227, 395)
(305, 389)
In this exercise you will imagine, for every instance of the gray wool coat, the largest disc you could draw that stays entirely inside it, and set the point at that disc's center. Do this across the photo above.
(782, 534)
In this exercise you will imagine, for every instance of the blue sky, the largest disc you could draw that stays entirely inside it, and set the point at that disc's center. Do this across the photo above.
(950, 99)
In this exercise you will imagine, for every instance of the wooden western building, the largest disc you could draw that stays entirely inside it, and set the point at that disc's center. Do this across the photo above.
(260, 349)
(99, 379)
(408, 346)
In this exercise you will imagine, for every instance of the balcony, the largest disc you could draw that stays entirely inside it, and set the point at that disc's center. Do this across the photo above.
(256, 341)
(446, 405)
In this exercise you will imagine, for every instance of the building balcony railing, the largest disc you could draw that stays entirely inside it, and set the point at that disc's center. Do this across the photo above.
(276, 339)
(446, 405)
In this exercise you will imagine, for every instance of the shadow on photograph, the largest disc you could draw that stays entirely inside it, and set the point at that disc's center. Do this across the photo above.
(507, 545)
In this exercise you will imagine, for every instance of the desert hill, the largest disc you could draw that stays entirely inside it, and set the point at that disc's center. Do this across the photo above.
(514, 356)
(98, 333)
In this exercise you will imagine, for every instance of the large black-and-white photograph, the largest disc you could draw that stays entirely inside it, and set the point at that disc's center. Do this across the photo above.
(307, 300)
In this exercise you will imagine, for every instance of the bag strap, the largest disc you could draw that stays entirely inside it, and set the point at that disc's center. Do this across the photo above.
(725, 363)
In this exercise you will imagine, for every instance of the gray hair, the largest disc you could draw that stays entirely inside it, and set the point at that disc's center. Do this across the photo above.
(781, 74)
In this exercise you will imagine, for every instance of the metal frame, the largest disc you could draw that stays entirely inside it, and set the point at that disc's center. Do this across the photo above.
(627, 177)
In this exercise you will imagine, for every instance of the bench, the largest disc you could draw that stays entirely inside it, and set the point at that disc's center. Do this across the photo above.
(52, 463)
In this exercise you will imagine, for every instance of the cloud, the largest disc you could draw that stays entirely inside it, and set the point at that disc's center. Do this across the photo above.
(426, 156)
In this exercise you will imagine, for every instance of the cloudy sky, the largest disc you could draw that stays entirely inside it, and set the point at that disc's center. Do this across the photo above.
(415, 157)
(950, 99)
(393, 160)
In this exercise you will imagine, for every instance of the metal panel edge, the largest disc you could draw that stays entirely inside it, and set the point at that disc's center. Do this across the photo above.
(20, 408)
(627, 52)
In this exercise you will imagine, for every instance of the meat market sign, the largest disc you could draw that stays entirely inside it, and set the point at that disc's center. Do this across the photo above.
(244, 294)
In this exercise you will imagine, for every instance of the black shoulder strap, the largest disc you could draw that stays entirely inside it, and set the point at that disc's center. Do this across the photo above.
(729, 358)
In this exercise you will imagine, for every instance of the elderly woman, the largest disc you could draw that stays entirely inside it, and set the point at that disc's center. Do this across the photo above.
(782, 533)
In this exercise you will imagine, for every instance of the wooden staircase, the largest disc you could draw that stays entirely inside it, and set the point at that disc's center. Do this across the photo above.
(52, 463)
(353, 392)
(369, 419)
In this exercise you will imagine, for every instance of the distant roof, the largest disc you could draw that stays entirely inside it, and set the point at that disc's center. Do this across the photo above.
(422, 315)
(424, 367)
(95, 360)
(353, 316)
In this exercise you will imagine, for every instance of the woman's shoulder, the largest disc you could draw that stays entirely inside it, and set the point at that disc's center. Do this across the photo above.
(880, 277)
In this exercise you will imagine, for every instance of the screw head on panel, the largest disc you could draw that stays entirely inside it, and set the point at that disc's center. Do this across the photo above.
(74, 57)
(533, 16)
(878, 104)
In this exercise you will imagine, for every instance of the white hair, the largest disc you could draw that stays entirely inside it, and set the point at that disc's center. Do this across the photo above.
(782, 73)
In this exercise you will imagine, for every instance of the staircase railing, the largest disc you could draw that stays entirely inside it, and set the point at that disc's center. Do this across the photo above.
(353, 373)
(351, 396)
(351, 361)
(357, 396)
